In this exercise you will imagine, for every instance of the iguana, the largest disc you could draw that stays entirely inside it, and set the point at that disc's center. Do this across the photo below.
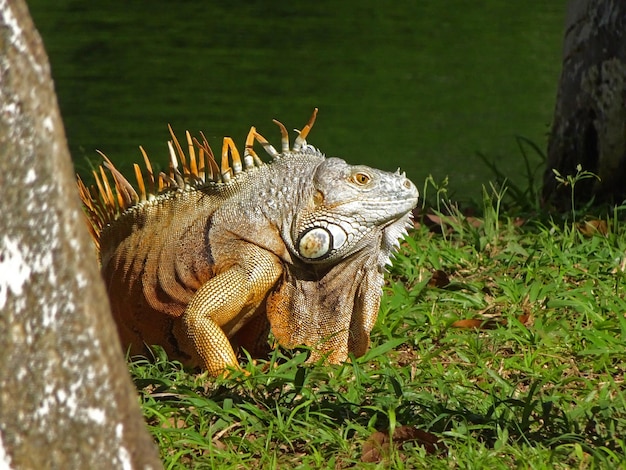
(207, 258)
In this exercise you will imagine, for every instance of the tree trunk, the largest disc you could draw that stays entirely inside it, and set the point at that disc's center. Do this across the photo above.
(66, 398)
(590, 116)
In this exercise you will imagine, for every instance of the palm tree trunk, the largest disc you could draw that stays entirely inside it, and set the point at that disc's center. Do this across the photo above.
(589, 127)
(66, 398)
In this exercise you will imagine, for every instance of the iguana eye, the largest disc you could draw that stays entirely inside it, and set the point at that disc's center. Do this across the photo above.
(361, 178)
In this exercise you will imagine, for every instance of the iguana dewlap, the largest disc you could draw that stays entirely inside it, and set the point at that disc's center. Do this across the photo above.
(207, 259)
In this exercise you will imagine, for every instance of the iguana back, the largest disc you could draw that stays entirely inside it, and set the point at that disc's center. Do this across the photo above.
(208, 258)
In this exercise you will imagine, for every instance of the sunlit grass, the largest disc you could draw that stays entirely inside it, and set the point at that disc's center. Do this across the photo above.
(539, 385)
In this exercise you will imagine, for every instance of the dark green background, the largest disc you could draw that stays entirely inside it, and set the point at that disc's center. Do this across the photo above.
(423, 84)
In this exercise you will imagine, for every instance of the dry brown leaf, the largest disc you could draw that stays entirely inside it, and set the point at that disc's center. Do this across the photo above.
(174, 422)
(480, 324)
(591, 227)
(377, 446)
(438, 221)
(518, 221)
(429, 441)
(526, 319)
(439, 279)
(475, 222)
(489, 324)
(219, 444)
(434, 223)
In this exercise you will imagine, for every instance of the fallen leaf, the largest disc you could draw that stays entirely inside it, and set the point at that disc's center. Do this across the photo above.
(474, 222)
(439, 279)
(490, 323)
(174, 422)
(591, 227)
(434, 223)
(428, 440)
(377, 445)
(518, 221)
(476, 323)
(219, 444)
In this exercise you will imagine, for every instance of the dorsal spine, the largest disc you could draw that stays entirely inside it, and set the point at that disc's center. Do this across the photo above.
(105, 202)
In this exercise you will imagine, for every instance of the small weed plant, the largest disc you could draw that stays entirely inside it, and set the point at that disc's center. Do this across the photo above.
(501, 343)
(570, 181)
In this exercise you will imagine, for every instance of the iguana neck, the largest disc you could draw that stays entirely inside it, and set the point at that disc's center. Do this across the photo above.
(263, 208)
(340, 305)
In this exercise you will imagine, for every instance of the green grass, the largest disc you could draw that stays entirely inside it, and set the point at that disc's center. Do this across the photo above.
(542, 387)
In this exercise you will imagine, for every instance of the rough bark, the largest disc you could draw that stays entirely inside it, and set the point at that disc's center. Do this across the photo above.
(66, 399)
(590, 114)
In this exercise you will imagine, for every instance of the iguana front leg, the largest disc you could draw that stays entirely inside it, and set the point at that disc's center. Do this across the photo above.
(228, 299)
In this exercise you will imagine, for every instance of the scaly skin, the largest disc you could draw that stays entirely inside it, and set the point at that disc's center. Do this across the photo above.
(301, 243)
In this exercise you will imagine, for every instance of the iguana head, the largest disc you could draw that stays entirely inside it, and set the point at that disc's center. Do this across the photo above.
(343, 224)
(350, 203)
(344, 227)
